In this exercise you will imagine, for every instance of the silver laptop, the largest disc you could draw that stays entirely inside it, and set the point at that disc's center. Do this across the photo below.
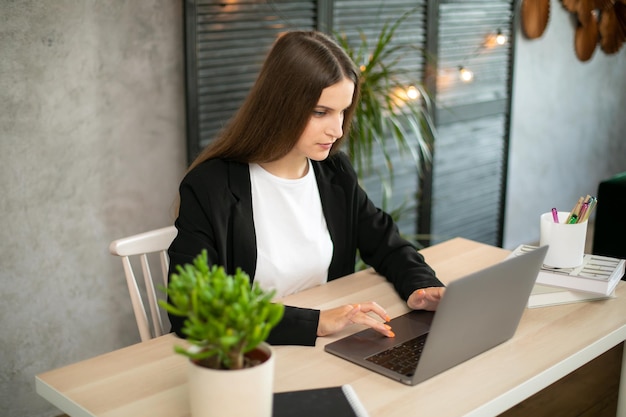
(477, 312)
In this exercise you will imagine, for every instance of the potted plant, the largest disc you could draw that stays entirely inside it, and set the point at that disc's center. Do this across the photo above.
(394, 112)
(227, 323)
(393, 105)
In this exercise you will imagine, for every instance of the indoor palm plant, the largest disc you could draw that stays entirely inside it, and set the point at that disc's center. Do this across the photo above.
(227, 323)
(393, 106)
(394, 111)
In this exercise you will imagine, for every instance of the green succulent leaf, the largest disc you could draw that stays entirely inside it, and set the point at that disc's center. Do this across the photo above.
(225, 316)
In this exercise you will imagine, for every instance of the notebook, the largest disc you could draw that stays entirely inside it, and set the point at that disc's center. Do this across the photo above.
(336, 401)
(477, 312)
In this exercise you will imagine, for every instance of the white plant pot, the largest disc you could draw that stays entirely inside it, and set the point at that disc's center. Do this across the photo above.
(232, 393)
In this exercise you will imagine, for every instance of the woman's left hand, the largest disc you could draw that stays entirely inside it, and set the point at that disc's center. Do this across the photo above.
(426, 298)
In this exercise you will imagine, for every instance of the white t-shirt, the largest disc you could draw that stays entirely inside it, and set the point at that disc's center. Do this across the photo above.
(294, 248)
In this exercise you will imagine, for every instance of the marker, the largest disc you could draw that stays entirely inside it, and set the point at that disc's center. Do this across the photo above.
(555, 215)
(573, 219)
(592, 204)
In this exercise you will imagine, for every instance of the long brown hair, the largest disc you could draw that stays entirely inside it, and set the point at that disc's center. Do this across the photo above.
(276, 111)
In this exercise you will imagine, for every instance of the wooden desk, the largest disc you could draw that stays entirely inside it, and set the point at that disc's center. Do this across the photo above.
(148, 379)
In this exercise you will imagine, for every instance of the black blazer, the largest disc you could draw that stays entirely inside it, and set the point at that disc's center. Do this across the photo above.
(216, 214)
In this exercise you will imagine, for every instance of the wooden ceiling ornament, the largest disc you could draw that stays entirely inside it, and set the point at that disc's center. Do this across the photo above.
(612, 26)
(534, 18)
(586, 39)
(599, 22)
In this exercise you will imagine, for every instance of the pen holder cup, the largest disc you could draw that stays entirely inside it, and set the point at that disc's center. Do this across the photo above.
(567, 241)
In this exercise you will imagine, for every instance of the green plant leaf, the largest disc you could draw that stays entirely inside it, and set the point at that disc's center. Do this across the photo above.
(383, 118)
(224, 315)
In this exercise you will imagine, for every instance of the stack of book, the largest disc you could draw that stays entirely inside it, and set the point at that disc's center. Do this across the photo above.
(595, 279)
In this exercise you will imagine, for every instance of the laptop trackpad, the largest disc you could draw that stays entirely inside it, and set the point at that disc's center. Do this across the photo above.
(368, 342)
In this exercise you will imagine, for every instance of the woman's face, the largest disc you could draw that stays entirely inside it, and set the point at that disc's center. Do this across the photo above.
(326, 123)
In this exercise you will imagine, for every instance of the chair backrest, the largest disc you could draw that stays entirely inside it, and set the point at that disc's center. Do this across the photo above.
(139, 246)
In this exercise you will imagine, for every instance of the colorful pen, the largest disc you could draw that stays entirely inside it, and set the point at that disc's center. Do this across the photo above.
(592, 204)
(555, 215)
(581, 211)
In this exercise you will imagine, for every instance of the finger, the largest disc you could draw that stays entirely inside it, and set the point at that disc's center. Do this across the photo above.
(426, 298)
(375, 308)
(434, 294)
(432, 298)
(420, 297)
(382, 328)
(351, 314)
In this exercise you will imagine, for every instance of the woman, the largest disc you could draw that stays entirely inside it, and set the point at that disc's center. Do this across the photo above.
(274, 196)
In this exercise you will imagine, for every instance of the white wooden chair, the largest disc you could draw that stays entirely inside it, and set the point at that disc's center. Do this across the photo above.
(139, 246)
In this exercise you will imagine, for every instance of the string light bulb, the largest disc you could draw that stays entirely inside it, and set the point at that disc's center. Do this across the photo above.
(491, 40)
(466, 75)
(500, 38)
(412, 93)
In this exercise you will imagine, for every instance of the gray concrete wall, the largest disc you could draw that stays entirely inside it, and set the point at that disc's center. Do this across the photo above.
(568, 129)
(92, 142)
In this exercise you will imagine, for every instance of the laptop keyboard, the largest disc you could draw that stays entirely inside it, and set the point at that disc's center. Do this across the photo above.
(401, 358)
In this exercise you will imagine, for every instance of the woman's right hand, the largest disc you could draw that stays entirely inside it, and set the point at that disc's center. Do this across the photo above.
(333, 320)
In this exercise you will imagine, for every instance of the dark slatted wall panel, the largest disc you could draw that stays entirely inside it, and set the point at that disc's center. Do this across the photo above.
(470, 154)
(369, 16)
(226, 45)
(467, 183)
(464, 30)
